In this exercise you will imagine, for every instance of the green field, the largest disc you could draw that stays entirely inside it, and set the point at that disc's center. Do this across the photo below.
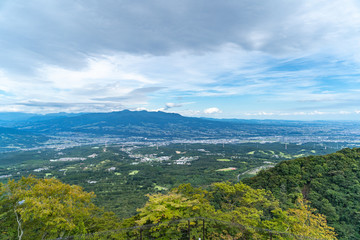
(226, 169)
(223, 160)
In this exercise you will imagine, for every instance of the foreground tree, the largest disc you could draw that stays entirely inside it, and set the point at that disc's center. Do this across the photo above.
(47, 208)
(303, 220)
(257, 210)
(170, 216)
(231, 211)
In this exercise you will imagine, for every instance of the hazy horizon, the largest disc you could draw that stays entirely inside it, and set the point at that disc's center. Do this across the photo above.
(10, 116)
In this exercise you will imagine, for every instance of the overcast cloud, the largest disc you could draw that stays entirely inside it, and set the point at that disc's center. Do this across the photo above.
(245, 57)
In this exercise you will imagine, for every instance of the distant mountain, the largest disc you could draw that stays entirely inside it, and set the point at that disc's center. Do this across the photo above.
(171, 125)
(15, 116)
(154, 125)
(137, 123)
(331, 183)
(9, 119)
(13, 119)
(50, 116)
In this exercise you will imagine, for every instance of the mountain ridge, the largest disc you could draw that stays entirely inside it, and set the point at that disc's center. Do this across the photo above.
(130, 123)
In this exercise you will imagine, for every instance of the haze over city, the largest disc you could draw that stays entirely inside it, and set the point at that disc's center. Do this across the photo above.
(219, 59)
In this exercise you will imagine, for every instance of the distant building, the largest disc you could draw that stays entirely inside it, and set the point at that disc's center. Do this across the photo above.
(94, 155)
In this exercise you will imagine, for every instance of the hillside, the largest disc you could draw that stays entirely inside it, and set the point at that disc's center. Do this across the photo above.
(330, 183)
(135, 124)
(145, 124)
(121, 175)
(66, 129)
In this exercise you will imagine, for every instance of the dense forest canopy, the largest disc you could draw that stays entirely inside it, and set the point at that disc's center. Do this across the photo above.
(46, 208)
(330, 183)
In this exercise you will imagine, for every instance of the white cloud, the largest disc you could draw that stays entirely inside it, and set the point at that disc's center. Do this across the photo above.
(191, 113)
(162, 28)
(300, 113)
(259, 114)
(172, 105)
(297, 55)
(212, 110)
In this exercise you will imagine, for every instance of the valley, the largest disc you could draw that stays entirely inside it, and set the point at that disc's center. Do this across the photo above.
(142, 127)
(121, 175)
(128, 158)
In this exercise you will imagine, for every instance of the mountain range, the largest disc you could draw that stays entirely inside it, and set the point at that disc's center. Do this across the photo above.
(166, 126)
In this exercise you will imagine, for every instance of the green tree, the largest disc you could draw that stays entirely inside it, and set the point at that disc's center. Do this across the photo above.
(163, 209)
(304, 221)
(329, 182)
(231, 211)
(47, 208)
(241, 204)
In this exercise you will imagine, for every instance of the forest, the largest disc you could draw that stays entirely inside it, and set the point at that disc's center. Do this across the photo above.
(47, 208)
(330, 183)
(190, 185)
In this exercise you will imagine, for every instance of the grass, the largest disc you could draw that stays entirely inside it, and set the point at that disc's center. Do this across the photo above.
(160, 188)
(223, 160)
(284, 155)
(134, 172)
(226, 169)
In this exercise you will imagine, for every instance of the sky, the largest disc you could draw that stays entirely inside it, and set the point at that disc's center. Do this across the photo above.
(249, 59)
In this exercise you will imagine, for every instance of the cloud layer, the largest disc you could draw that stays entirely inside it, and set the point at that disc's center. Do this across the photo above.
(243, 56)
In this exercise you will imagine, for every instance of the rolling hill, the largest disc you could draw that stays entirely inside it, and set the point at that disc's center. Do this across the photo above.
(331, 183)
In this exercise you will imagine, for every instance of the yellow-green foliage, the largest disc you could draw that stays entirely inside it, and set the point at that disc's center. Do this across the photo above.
(284, 155)
(305, 222)
(226, 169)
(48, 208)
(223, 160)
(160, 188)
(134, 172)
(232, 203)
(329, 182)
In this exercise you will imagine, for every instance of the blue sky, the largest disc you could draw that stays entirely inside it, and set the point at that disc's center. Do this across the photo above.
(225, 59)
